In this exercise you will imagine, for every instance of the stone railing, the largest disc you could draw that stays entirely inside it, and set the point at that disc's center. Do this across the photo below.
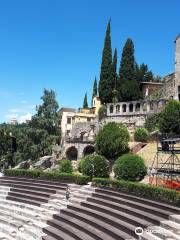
(142, 107)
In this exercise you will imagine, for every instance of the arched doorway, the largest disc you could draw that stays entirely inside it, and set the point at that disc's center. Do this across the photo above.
(72, 153)
(88, 150)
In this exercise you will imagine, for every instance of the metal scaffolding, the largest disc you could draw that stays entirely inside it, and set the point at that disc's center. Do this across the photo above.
(165, 170)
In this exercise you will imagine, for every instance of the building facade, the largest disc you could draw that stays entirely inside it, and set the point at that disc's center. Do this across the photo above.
(79, 128)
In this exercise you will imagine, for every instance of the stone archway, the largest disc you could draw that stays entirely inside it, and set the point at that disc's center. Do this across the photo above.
(88, 150)
(72, 153)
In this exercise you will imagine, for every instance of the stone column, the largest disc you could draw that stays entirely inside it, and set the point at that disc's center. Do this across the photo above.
(148, 106)
(177, 68)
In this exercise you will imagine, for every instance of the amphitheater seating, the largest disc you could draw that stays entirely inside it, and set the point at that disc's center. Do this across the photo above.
(36, 209)
(111, 215)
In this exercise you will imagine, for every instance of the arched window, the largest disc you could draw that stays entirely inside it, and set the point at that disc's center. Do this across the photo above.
(117, 108)
(137, 108)
(111, 109)
(72, 153)
(130, 107)
(88, 150)
(124, 107)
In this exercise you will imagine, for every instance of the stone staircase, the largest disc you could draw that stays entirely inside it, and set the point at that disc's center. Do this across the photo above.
(22, 211)
(110, 215)
(37, 209)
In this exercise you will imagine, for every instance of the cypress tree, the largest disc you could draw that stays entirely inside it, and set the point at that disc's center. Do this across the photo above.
(114, 68)
(85, 103)
(129, 87)
(115, 78)
(95, 90)
(106, 77)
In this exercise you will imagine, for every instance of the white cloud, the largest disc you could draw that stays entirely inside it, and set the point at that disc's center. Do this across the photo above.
(10, 116)
(24, 118)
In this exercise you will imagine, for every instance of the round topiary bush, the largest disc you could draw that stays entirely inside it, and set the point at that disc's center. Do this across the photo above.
(130, 167)
(141, 135)
(65, 166)
(112, 140)
(94, 165)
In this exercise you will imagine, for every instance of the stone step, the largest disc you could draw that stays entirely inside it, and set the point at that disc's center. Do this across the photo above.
(140, 222)
(31, 192)
(137, 199)
(26, 207)
(33, 181)
(13, 234)
(95, 222)
(144, 207)
(57, 202)
(28, 220)
(127, 209)
(149, 236)
(125, 225)
(172, 226)
(175, 218)
(3, 192)
(83, 226)
(4, 236)
(163, 233)
(69, 229)
(5, 188)
(56, 234)
(48, 238)
(29, 186)
(51, 207)
(29, 199)
(25, 183)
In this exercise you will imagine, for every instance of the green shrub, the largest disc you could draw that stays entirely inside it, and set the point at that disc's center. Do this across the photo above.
(112, 140)
(80, 165)
(130, 167)
(95, 165)
(139, 189)
(152, 122)
(65, 166)
(169, 121)
(141, 135)
(55, 176)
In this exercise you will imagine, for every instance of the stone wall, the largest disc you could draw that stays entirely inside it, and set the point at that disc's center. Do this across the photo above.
(135, 108)
(177, 69)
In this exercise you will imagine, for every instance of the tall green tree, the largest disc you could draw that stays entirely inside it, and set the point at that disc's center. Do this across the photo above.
(85, 102)
(34, 138)
(115, 77)
(95, 90)
(129, 87)
(106, 76)
(47, 117)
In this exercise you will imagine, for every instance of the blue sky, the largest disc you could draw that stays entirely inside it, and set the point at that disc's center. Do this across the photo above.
(58, 44)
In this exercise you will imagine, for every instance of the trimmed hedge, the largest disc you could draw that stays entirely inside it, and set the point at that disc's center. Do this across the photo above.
(142, 190)
(55, 176)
